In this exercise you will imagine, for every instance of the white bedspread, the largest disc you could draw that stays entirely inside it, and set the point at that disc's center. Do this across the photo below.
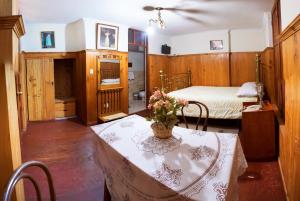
(222, 102)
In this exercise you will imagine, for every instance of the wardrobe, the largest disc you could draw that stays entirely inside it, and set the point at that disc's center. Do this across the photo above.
(50, 85)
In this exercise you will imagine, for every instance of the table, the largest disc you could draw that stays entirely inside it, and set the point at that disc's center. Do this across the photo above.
(192, 165)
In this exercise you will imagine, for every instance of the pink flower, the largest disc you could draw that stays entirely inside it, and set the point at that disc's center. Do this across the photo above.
(157, 94)
(182, 102)
(149, 106)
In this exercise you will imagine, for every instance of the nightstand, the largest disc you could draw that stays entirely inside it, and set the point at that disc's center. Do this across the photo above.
(258, 133)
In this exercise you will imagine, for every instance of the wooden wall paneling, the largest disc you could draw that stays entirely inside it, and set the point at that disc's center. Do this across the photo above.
(155, 64)
(124, 81)
(242, 69)
(290, 144)
(268, 73)
(216, 69)
(207, 69)
(91, 87)
(52, 55)
(80, 86)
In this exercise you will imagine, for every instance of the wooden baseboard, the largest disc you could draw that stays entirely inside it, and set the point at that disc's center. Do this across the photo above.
(283, 181)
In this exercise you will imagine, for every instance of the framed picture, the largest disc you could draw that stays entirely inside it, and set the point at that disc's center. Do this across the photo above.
(48, 39)
(107, 37)
(216, 45)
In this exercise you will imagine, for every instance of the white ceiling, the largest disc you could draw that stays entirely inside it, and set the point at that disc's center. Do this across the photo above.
(215, 14)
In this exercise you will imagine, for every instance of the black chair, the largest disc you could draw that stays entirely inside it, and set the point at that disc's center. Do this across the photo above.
(200, 106)
(19, 174)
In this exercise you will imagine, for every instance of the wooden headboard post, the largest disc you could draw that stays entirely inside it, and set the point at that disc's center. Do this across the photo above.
(257, 70)
(162, 79)
(189, 77)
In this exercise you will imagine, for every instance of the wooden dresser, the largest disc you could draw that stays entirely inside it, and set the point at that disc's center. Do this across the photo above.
(258, 133)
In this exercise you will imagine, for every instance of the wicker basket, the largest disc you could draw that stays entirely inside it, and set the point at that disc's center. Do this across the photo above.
(160, 131)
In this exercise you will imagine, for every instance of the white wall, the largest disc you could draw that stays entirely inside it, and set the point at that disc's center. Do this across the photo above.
(267, 27)
(138, 61)
(155, 41)
(75, 38)
(31, 41)
(90, 34)
(289, 11)
(247, 40)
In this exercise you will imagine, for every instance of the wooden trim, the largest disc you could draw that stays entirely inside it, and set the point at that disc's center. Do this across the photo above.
(291, 29)
(266, 49)
(283, 181)
(54, 55)
(14, 22)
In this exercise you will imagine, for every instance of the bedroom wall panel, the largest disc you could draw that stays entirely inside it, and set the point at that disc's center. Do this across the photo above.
(155, 64)
(242, 69)
(289, 156)
(215, 70)
(268, 72)
(207, 69)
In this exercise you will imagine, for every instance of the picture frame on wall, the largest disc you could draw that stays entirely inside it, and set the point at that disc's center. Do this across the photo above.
(216, 45)
(48, 39)
(107, 37)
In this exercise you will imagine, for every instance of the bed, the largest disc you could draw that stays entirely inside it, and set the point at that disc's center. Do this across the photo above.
(222, 102)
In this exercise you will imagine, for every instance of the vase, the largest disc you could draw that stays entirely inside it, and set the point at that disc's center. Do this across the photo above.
(160, 131)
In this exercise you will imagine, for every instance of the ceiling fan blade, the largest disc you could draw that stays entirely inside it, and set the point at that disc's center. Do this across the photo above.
(148, 8)
(194, 19)
(188, 10)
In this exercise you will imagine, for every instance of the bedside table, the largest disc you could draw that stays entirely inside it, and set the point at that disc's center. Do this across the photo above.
(258, 133)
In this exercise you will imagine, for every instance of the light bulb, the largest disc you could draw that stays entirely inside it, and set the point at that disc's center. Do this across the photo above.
(150, 30)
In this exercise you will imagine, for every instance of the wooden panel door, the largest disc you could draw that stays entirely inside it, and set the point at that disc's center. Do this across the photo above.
(40, 89)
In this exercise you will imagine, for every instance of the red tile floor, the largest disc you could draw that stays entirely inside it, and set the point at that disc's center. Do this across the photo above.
(67, 147)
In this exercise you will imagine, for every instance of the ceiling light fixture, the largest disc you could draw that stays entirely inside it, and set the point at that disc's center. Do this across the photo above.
(159, 21)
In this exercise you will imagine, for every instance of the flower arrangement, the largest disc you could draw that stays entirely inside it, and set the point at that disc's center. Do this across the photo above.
(164, 109)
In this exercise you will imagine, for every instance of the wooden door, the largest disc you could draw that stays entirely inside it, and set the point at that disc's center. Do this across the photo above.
(40, 89)
(19, 101)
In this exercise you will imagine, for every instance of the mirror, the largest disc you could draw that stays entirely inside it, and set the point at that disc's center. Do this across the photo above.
(109, 71)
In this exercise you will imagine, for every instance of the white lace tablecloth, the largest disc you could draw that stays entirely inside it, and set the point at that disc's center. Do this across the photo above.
(192, 165)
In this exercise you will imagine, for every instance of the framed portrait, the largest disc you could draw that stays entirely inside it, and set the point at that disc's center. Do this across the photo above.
(48, 39)
(107, 37)
(216, 45)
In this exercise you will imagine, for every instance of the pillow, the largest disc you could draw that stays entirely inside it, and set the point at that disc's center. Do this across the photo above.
(248, 89)
(249, 84)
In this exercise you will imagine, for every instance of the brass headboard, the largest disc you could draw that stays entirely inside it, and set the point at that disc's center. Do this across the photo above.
(175, 82)
(258, 70)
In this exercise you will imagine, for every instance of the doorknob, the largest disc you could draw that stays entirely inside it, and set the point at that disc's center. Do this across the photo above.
(19, 93)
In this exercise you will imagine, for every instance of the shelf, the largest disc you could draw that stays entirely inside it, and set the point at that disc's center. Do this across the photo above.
(113, 117)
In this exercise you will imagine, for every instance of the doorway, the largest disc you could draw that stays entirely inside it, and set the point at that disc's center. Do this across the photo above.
(137, 50)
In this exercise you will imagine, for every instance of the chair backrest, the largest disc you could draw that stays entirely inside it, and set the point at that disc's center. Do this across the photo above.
(19, 174)
(200, 106)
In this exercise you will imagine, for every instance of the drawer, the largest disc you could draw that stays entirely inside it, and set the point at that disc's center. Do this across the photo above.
(64, 113)
(65, 109)
(64, 106)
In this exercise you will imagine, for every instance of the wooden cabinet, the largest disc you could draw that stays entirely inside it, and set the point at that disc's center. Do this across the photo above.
(50, 85)
(40, 89)
(258, 133)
